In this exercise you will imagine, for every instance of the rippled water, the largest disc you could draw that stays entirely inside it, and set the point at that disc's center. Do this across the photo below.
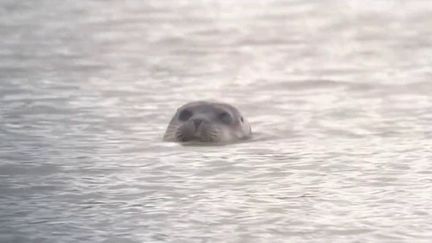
(339, 94)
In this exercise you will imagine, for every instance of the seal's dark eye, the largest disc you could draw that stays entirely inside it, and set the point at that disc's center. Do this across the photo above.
(241, 119)
(225, 117)
(185, 115)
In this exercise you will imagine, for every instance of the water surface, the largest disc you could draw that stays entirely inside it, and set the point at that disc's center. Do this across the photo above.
(339, 93)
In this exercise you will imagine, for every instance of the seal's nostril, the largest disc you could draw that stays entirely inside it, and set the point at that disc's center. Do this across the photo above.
(197, 123)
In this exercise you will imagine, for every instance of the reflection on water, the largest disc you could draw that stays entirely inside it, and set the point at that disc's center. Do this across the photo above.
(338, 92)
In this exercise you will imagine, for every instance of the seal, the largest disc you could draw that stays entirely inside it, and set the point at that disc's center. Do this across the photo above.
(205, 121)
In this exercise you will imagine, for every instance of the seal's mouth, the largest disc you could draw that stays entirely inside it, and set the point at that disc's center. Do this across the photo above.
(204, 133)
(182, 137)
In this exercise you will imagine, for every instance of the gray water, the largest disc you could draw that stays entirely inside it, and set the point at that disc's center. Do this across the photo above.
(339, 95)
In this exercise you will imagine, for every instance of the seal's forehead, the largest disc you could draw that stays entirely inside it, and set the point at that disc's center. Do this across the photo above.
(204, 106)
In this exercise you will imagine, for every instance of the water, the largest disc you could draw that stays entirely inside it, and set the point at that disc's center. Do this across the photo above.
(339, 94)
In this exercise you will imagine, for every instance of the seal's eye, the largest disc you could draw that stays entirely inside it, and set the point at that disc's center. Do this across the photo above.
(225, 117)
(185, 115)
(241, 119)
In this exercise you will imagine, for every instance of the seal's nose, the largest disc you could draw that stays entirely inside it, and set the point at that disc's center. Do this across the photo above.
(197, 123)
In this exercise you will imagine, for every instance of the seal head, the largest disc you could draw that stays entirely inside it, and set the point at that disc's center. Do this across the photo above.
(204, 121)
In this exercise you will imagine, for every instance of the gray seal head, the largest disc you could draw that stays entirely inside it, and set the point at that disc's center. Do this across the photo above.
(204, 121)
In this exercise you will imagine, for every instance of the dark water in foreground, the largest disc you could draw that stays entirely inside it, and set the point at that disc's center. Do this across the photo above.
(340, 93)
